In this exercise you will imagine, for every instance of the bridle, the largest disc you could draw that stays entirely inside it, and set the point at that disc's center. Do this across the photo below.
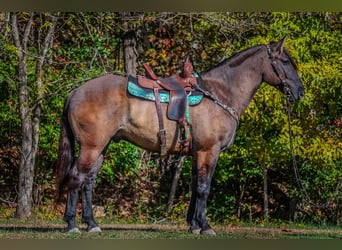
(280, 72)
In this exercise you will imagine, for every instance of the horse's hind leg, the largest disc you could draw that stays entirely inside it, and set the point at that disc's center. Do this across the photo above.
(87, 210)
(75, 180)
(70, 211)
(82, 174)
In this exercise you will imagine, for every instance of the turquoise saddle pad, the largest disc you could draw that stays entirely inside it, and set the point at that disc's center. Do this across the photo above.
(134, 89)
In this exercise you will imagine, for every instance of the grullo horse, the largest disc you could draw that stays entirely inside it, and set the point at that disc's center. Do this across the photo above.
(102, 110)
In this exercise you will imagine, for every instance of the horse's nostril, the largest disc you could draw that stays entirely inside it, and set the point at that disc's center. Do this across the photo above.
(301, 94)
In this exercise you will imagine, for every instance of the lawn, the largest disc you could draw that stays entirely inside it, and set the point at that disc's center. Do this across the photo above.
(35, 229)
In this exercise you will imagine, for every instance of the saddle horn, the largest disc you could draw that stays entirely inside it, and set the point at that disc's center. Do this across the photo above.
(187, 68)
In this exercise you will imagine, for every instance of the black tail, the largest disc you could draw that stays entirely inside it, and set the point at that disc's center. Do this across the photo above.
(66, 152)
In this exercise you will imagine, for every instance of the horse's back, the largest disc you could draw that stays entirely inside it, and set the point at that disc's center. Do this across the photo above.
(98, 91)
(99, 86)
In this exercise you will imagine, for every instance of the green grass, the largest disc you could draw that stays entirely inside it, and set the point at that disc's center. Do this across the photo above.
(49, 225)
(14, 229)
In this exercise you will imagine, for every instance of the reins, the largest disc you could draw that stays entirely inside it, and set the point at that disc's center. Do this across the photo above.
(301, 187)
(299, 181)
(282, 76)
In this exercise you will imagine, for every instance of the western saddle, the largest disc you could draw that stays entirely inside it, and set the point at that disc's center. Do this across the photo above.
(178, 86)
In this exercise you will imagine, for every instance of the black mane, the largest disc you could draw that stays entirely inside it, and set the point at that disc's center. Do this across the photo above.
(239, 57)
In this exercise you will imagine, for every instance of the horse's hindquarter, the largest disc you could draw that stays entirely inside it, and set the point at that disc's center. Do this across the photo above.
(97, 108)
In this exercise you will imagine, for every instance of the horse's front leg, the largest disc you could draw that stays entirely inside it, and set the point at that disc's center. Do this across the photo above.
(204, 163)
(87, 208)
(191, 219)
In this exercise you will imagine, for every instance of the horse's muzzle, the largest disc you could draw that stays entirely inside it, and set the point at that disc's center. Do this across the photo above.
(299, 94)
(292, 93)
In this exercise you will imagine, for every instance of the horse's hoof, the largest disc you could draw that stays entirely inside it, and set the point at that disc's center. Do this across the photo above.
(95, 230)
(75, 230)
(208, 232)
(195, 231)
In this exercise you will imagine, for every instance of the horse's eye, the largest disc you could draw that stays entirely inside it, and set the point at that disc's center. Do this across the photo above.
(285, 61)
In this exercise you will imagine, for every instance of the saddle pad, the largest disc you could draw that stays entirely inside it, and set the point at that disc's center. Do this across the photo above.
(193, 99)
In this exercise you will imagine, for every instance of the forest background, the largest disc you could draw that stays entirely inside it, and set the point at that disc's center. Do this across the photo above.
(43, 56)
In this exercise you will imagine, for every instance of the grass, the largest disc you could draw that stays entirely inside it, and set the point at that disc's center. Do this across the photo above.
(48, 225)
(40, 229)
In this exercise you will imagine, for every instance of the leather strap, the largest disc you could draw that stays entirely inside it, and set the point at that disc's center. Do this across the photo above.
(162, 131)
(149, 72)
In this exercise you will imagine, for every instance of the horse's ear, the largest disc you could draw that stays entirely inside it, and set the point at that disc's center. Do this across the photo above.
(282, 41)
(278, 48)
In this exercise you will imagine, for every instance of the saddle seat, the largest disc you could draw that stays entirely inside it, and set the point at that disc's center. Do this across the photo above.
(178, 86)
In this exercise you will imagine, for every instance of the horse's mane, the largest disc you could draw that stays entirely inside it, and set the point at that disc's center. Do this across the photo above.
(239, 57)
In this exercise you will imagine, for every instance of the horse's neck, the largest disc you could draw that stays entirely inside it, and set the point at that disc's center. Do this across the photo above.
(234, 86)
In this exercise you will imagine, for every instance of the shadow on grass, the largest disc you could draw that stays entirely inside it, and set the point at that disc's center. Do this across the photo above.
(46, 229)
(108, 232)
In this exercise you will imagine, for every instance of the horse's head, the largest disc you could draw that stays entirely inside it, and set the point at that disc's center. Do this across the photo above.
(281, 72)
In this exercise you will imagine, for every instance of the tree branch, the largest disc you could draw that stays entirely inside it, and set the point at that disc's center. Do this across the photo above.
(15, 33)
(27, 30)
(46, 45)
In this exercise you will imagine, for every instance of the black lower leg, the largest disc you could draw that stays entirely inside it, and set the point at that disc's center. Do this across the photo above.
(87, 210)
(203, 193)
(191, 219)
(192, 208)
(70, 210)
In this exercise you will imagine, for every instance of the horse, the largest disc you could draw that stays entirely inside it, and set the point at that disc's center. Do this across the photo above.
(101, 111)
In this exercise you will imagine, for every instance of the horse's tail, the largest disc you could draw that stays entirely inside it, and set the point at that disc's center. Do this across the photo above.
(66, 152)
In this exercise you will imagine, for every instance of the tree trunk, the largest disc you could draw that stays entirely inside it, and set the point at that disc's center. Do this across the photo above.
(26, 169)
(30, 116)
(239, 203)
(265, 195)
(130, 50)
(26, 166)
(174, 183)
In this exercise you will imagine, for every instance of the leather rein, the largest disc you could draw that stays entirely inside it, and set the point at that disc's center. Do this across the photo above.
(282, 76)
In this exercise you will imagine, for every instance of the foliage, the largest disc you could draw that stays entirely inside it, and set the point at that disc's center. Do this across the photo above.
(130, 183)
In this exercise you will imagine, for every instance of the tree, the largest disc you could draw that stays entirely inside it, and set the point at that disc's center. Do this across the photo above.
(30, 108)
(90, 44)
(129, 45)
